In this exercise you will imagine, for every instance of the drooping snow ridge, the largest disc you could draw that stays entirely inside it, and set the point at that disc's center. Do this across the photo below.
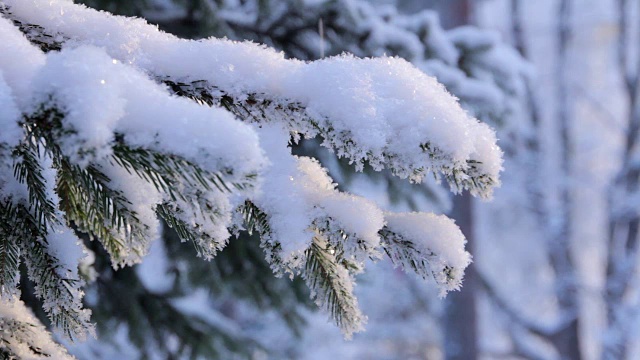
(353, 216)
(21, 333)
(282, 198)
(18, 74)
(431, 233)
(208, 214)
(439, 240)
(11, 133)
(395, 110)
(101, 97)
(299, 197)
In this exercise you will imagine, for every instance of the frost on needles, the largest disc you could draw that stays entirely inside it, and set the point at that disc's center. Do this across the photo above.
(108, 128)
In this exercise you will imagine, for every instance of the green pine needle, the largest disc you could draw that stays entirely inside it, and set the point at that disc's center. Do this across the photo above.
(332, 287)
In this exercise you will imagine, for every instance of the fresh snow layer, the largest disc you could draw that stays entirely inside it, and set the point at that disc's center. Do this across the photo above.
(101, 97)
(438, 240)
(382, 105)
(431, 233)
(19, 61)
(10, 133)
(299, 197)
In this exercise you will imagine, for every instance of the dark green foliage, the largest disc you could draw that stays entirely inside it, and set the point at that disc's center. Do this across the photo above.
(237, 274)
(9, 251)
(91, 205)
(328, 278)
(164, 171)
(27, 170)
(403, 253)
(43, 269)
(332, 286)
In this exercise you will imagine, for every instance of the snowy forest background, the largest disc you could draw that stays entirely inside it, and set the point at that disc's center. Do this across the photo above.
(555, 272)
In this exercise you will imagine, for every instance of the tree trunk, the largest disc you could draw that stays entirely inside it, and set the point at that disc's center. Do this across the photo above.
(461, 337)
(566, 339)
(461, 323)
(622, 257)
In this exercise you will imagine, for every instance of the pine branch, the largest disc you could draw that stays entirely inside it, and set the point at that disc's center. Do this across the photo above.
(185, 183)
(28, 171)
(405, 255)
(9, 251)
(98, 210)
(260, 108)
(345, 245)
(256, 107)
(56, 291)
(332, 287)
(328, 278)
(257, 221)
(85, 196)
(205, 245)
(62, 306)
(254, 218)
(164, 170)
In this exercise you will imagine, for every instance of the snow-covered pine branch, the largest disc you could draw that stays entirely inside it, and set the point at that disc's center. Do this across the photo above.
(23, 336)
(473, 64)
(245, 74)
(105, 137)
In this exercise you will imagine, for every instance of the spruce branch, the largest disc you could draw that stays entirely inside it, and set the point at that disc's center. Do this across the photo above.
(254, 218)
(9, 250)
(86, 198)
(328, 277)
(205, 245)
(257, 221)
(404, 254)
(53, 287)
(186, 184)
(332, 287)
(28, 170)
(94, 208)
(165, 170)
(255, 107)
(261, 108)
